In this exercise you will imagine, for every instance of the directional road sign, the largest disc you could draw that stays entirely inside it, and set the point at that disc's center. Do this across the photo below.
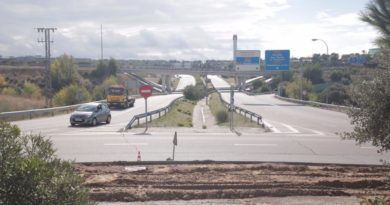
(277, 60)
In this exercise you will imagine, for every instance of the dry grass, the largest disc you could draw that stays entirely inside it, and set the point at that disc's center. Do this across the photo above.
(15, 103)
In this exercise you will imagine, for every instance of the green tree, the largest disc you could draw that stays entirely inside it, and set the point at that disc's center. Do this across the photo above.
(293, 89)
(377, 14)
(335, 94)
(31, 90)
(194, 92)
(72, 94)
(371, 118)
(313, 72)
(31, 174)
(103, 69)
(64, 72)
(112, 67)
(99, 92)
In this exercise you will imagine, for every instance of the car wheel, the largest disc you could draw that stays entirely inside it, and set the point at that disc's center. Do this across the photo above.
(94, 122)
(72, 124)
(108, 120)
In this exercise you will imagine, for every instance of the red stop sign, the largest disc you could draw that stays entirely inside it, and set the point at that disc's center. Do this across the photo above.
(146, 91)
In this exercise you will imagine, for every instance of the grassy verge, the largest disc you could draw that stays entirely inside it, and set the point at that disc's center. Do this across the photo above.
(216, 105)
(14, 103)
(179, 116)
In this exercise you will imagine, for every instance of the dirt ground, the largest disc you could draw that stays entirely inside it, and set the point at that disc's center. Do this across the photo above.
(128, 182)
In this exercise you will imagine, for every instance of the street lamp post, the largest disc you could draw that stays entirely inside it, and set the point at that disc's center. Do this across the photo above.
(327, 49)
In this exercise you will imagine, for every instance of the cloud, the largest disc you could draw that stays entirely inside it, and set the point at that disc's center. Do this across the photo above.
(169, 29)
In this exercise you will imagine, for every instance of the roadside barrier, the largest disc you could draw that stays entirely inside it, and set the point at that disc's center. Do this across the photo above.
(317, 104)
(30, 114)
(148, 116)
(251, 115)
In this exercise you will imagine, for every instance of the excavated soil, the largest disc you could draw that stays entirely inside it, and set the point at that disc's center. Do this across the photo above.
(128, 182)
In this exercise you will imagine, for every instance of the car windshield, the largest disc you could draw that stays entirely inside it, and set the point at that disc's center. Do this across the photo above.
(87, 108)
(115, 91)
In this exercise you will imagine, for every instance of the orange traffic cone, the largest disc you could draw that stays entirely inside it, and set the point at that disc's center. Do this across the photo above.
(139, 156)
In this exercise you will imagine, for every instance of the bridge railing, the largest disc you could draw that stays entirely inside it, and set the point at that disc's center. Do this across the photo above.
(249, 114)
(149, 115)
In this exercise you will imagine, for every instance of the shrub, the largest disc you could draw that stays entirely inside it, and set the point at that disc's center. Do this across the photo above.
(31, 90)
(31, 174)
(9, 91)
(72, 94)
(222, 116)
(194, 92)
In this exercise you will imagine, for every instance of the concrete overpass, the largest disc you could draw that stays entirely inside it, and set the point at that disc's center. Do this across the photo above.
(168, 71)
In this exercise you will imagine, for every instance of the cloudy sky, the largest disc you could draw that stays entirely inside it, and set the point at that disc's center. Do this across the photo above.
(183, 29)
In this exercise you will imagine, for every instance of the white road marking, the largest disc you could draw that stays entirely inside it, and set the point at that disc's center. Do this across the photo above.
(293, 130)
(126, 144)
(257, 145)
(271, 127)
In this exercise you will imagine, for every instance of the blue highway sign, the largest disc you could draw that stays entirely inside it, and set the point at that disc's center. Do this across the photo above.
(277, 60)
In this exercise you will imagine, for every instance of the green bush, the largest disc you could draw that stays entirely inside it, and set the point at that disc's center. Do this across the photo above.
(31, 174)
(72, 94)
(31, 90)
(222, 116)
(194, 93)
(9, 91)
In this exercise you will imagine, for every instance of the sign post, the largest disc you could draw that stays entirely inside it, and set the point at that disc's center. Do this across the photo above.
(146, 91)
(174, 145)
(231, 107)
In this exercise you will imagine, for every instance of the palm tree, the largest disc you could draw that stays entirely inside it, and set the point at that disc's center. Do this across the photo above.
(377, 14)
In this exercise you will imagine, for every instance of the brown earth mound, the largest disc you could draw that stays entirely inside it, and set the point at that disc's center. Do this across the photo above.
(150, 182)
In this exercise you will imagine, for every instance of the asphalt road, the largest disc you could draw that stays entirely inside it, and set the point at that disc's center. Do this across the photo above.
(299, 134)
(185, 80)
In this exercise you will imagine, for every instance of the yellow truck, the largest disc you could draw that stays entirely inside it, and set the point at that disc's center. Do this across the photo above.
(118, 96)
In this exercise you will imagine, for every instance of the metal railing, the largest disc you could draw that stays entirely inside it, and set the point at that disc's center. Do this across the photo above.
(34, 113)
(249, 114)
(317, 104)
(149, 115)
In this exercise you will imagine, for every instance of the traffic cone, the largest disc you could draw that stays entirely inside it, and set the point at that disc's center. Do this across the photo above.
(139, 156)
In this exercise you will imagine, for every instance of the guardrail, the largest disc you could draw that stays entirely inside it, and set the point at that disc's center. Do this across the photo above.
(242, 111)
(30, 114)
(137, 118)
(317, 104)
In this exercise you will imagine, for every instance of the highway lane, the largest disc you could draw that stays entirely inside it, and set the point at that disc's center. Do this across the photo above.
(120, 118)
(185, 80)
(299, 135)
(157, 146)
(286, 117)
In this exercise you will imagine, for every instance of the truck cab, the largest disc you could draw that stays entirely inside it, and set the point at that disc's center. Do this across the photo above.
(118, 96)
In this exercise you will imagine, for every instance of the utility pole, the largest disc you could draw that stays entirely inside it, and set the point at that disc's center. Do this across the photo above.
(101, 42)
(48, 86)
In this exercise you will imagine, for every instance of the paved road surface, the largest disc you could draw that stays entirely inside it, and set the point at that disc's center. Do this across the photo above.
(300, 134)
(185, 80)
